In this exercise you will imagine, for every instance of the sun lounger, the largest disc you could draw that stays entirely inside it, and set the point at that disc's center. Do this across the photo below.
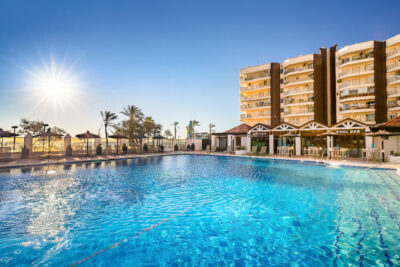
(263, 150)
(253, 150)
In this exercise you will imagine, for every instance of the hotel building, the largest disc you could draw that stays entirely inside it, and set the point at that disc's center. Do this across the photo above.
(393, 76)
(260, 88)
(359, 82)
(329, 99)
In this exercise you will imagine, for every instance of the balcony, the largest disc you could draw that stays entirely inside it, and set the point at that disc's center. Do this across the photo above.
(357, 108)
(357, 96)
(255, 97)
(368, 81)
(355, 59)
(299, 91)
(255, 106)
(307, 79)
(252, 78)
(393, 66)
(299, 112)
(254, 87)
(394, 104)
(393, 92)
(258, 115)
(393, 79)
(393, 53)
(299, 69)
(348, 73)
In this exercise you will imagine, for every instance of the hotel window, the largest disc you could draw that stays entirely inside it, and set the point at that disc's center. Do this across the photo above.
(370, 117)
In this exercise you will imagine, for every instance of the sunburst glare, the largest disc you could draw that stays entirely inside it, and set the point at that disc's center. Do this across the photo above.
(53, 85)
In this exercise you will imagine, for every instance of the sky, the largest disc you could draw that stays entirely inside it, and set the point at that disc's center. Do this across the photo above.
(176, 60)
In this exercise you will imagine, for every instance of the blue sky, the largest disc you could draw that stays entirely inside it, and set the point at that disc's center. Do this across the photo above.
(176, 60)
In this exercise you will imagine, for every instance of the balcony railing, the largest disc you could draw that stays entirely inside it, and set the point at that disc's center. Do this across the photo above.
(255, 96)
(356, 95)
(356, 58)
(255, 115)
(394, 104)
(393, 78)
(258, 105)
(258, 76)
(393, 92)
(299, 111)
(299, 90)
(356, 107)
(289, 70)
(307, 78)
(368, 80)
(356, 71)
(392, 65)
(299, 101)
(393, 52)
(254, 87)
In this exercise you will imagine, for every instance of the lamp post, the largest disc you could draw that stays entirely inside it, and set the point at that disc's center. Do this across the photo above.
(14, 127)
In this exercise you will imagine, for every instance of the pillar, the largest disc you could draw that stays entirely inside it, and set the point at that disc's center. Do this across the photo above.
(28, 143)
(298, 145)
(248, 143)
(67, 141)
(271, 144)
(97, 142)
(213, 142)
(368, 141)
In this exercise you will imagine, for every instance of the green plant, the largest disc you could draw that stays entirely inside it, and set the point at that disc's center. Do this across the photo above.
(339, 81)
(241, 148)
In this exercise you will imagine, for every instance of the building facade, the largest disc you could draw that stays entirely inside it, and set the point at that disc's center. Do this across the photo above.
(359, 82)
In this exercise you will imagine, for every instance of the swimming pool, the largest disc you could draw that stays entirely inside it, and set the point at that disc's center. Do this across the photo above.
(199, 210)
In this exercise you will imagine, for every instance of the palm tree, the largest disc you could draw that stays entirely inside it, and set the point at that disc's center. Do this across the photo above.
(175, 127)
(108, 118)
(148, 125)
(132, 125)
(168, 133)
(134, 113)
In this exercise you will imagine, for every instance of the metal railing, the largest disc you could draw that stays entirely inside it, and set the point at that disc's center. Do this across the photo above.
(356, 71)
(356, 58)
(289, 70)
(255, 96)
(393, 52)
(392, 65)
(393, 78)
(368, 80)
(357, 107)
(254, 87)
(307, 78)
(299, 90)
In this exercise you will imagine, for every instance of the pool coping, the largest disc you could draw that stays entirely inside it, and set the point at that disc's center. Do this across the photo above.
(356, 164)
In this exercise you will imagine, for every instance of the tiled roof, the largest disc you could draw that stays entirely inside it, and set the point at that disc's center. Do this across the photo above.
(241, 129)
(390, 125)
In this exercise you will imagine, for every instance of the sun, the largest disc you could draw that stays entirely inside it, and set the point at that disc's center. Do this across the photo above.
(54, 84)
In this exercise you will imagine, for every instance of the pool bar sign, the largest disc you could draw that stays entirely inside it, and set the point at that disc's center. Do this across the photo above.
(350, 131)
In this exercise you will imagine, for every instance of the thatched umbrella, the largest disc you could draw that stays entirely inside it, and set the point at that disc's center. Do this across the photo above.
(88, 135)
(49, 134)
(118, 136)
(5, 134)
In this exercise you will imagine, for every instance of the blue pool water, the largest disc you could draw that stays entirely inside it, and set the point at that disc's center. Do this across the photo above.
(199, 210)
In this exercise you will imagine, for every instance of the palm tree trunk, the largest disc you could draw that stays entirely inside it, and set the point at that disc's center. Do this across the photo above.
(105, 129)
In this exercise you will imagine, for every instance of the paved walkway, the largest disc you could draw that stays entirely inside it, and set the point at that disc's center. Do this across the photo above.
(33, 163)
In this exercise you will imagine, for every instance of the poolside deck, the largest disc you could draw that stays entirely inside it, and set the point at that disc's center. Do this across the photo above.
(356, 162)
